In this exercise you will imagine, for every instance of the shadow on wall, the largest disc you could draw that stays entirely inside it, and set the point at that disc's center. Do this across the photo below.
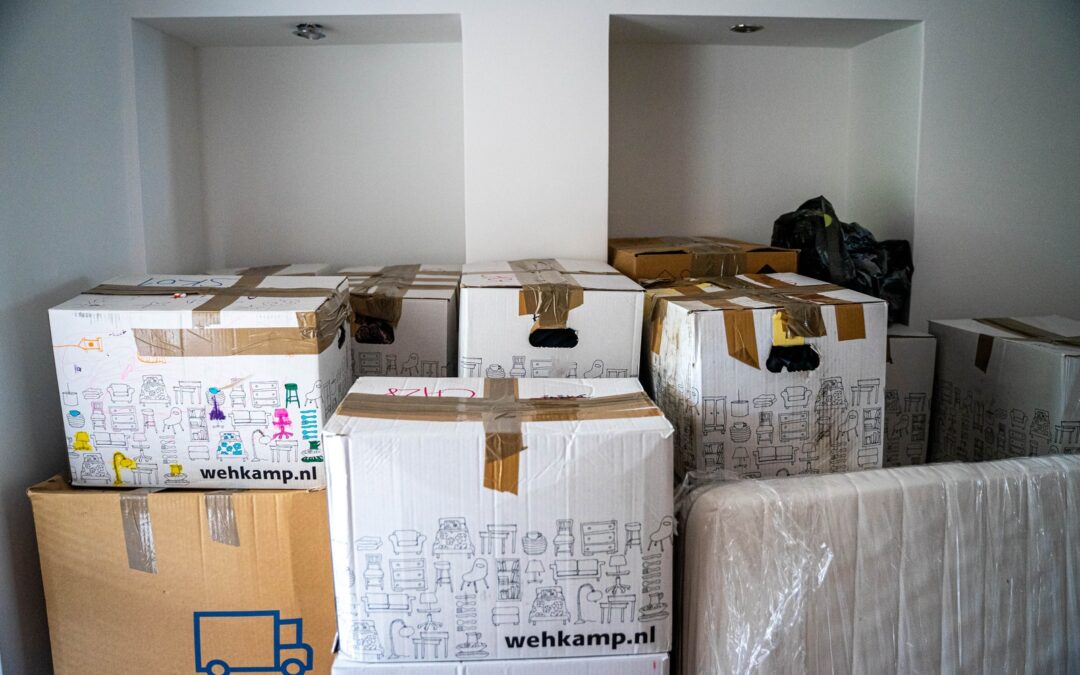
(32, 404)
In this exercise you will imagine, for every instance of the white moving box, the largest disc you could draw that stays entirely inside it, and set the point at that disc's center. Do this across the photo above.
(511, 311)
(1006, 388)
(288, 270)
(405, 320)
(638, 664)
(731, 367)
(942, 568)
(500, 519)
(909, 386)
(201, 381)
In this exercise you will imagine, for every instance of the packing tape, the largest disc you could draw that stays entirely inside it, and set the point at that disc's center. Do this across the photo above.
(548, 292)
(138, 533)
(315, 331)
(984, 348)
(502, 413)
(221, 517)
(799, 306)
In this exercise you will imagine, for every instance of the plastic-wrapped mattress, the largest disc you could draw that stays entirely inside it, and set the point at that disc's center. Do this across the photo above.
(971, 568)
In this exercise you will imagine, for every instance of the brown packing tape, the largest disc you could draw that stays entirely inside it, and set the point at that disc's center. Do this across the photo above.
(138, 532)
(502, 415)
(1028, 333)
(221, 517)
(315, 331)
(548, 293)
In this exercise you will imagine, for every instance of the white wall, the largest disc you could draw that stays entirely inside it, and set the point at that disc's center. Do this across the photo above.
(169, 147)
(347, 155)
(718, 139)
(64, 221)
(886, 88)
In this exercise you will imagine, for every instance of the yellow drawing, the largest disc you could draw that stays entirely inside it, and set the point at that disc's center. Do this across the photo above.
(82, 442)
(779, 333)
(121, 461)
(85, 344)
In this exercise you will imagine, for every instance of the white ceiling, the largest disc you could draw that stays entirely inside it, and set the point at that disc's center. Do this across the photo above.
(715, 30)
(277, 31)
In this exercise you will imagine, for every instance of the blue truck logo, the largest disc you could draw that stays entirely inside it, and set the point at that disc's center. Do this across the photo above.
(250, 642)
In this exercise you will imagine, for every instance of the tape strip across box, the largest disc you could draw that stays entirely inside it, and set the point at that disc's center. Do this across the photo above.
(405, 320)
(201, 381)
(548, 318)
(500, 519)
(769, 374)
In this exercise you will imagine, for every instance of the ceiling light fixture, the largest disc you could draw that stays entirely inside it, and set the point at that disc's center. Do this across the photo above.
(746, 28)
(309, 31)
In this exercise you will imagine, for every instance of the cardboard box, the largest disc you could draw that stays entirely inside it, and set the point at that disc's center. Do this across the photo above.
(288, 270)
(642, 258)
(1006, 388)
(638, 664)
(909, 387)
(405, 320)
(549, 318)
(500, 519)
(770, 375)
(946, 568)
(140, 581)
(201, 381)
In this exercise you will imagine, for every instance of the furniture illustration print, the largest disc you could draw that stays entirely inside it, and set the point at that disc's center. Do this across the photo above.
(474, 576)
(153, 391)
(400, 603)
(504, 534)
(265, 395)
(564, 538)
(599, 537)
(407, 541)
(633, 537)
(576, 569)
(549, 605)
(508, 579)
(664, 532)
(534, 543)
(187, 392)
(408, 575)
(714, 414)
(452, 537)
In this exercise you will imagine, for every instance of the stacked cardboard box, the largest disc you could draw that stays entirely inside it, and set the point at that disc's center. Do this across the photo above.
(185, 581)
(769, 374)
(201, 381)
(290, 270)
(1006, 387)
(648, 258)
(492, 519)
(405, 319)
(909, 388)
(549, 318)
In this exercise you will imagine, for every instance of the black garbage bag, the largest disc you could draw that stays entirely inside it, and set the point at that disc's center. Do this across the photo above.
(847, 254)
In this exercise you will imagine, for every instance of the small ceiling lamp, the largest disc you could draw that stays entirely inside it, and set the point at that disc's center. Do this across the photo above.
(746, 28)
(309, 31)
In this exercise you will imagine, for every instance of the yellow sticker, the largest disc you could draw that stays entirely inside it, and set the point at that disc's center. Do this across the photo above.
(779, 333)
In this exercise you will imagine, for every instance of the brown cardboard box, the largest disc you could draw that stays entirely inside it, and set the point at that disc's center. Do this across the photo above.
(139, 581)
(642, 258)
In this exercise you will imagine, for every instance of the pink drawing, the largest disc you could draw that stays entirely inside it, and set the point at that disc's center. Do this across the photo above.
(282, 422)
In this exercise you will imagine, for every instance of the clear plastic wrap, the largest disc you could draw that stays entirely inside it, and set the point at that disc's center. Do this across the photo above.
(937, 568)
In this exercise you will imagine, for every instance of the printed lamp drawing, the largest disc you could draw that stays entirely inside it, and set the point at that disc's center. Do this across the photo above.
(281, 648)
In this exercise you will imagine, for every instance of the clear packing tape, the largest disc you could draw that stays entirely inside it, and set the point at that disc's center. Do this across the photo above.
(954, 568)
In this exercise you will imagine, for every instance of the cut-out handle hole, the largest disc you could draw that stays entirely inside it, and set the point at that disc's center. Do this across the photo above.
(372, 331)
(558, 338)
(798, 359)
